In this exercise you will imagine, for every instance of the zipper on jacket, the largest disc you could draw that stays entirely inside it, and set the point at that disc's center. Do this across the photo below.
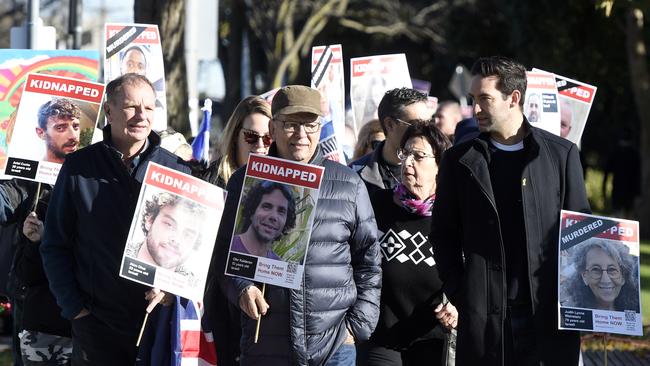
(523, 205)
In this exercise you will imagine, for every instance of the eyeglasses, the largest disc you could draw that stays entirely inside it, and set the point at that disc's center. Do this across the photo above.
(252, 137)
(293, 127)
(596, 273)
(404, 154)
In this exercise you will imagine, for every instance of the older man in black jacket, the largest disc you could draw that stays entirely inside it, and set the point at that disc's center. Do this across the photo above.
(88, 222)
(339, 299)
(495, 227)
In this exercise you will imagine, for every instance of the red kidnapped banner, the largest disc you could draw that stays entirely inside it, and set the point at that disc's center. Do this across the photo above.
(64, 87)
(182, 185)
(284, 171)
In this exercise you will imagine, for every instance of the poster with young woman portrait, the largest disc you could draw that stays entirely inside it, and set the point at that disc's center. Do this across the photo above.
(598, 274)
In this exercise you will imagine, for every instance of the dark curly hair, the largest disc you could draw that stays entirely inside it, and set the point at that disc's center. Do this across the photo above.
(510, 73)
(428, 130)
(394, 101)
(159, 201)
(627, 298)
(60, 108)
(254, 197)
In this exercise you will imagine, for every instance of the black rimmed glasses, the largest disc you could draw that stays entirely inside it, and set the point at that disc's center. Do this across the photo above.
(252, 137)
(596, 273)
(404, 154)
(293, 127)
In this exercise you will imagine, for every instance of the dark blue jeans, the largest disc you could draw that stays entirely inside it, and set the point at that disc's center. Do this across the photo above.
(344, 356)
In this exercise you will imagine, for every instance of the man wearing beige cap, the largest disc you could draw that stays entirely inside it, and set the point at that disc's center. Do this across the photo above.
(338, 303)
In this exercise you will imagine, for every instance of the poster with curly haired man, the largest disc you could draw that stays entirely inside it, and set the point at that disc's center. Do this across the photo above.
(172, 233)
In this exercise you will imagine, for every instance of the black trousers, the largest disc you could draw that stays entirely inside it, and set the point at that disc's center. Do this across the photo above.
(520, 344)
(427, 352)
(95, 343)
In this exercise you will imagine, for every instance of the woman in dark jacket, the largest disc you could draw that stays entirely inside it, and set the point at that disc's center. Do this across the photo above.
(413, 314)
(246, 132)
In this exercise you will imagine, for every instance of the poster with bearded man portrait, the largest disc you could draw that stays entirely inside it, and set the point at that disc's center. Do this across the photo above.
(56, 116)
(172, 233)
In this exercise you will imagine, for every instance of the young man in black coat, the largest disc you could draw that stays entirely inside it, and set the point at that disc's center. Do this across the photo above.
(495, 227)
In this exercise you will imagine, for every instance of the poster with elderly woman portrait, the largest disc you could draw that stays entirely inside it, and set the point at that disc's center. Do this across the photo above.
(598, 274)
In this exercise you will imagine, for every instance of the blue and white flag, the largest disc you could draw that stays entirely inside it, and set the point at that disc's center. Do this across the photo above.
(201, 144)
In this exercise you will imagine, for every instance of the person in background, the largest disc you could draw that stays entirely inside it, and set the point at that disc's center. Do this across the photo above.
(246, 132)
(370, 136)
(447, 117)
(175, 143)
(380, 169)
(412, 310)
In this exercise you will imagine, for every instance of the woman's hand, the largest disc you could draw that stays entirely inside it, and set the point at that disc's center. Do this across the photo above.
(447, 315)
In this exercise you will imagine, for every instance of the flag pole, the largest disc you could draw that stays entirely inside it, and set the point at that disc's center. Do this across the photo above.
(259, 319)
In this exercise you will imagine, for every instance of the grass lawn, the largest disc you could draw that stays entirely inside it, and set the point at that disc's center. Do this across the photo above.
(645, 281)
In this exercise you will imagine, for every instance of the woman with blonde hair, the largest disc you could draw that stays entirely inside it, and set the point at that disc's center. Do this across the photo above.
(247, 131)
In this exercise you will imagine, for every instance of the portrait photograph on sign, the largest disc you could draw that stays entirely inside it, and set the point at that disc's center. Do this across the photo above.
(541, 103)
(172, 233)
(16, 64)
(576, 99)
(598, 274)
(56, 116)
(274, 219)
(136, 48)
(370, 78)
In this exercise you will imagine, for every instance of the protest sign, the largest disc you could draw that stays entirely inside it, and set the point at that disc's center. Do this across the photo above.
(370, 78)
(541, 102)
(327, 77)
(55, 116)
(598, 274)
(576, 99)
(172, 233)
(16, 64)
(274, 219)
(136, 48)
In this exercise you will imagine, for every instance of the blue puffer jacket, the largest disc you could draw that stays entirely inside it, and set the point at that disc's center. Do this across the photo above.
(86, 228)
(341, 283)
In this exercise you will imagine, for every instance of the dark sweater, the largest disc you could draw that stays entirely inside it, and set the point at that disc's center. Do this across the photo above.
(411, 288)
(506, 168)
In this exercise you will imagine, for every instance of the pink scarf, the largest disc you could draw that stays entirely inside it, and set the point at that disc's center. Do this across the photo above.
(411, 203)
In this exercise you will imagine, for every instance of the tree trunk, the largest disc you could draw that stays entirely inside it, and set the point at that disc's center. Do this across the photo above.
(233, 60)
(640, 81)
(169, 15)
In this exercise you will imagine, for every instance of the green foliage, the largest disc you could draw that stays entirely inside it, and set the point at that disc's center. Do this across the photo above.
(86, 137)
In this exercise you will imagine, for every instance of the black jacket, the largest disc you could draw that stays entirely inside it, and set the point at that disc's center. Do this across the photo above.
(341, 283)
(370, 172)
(86, 228)
(40, 311)
(466, 225)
